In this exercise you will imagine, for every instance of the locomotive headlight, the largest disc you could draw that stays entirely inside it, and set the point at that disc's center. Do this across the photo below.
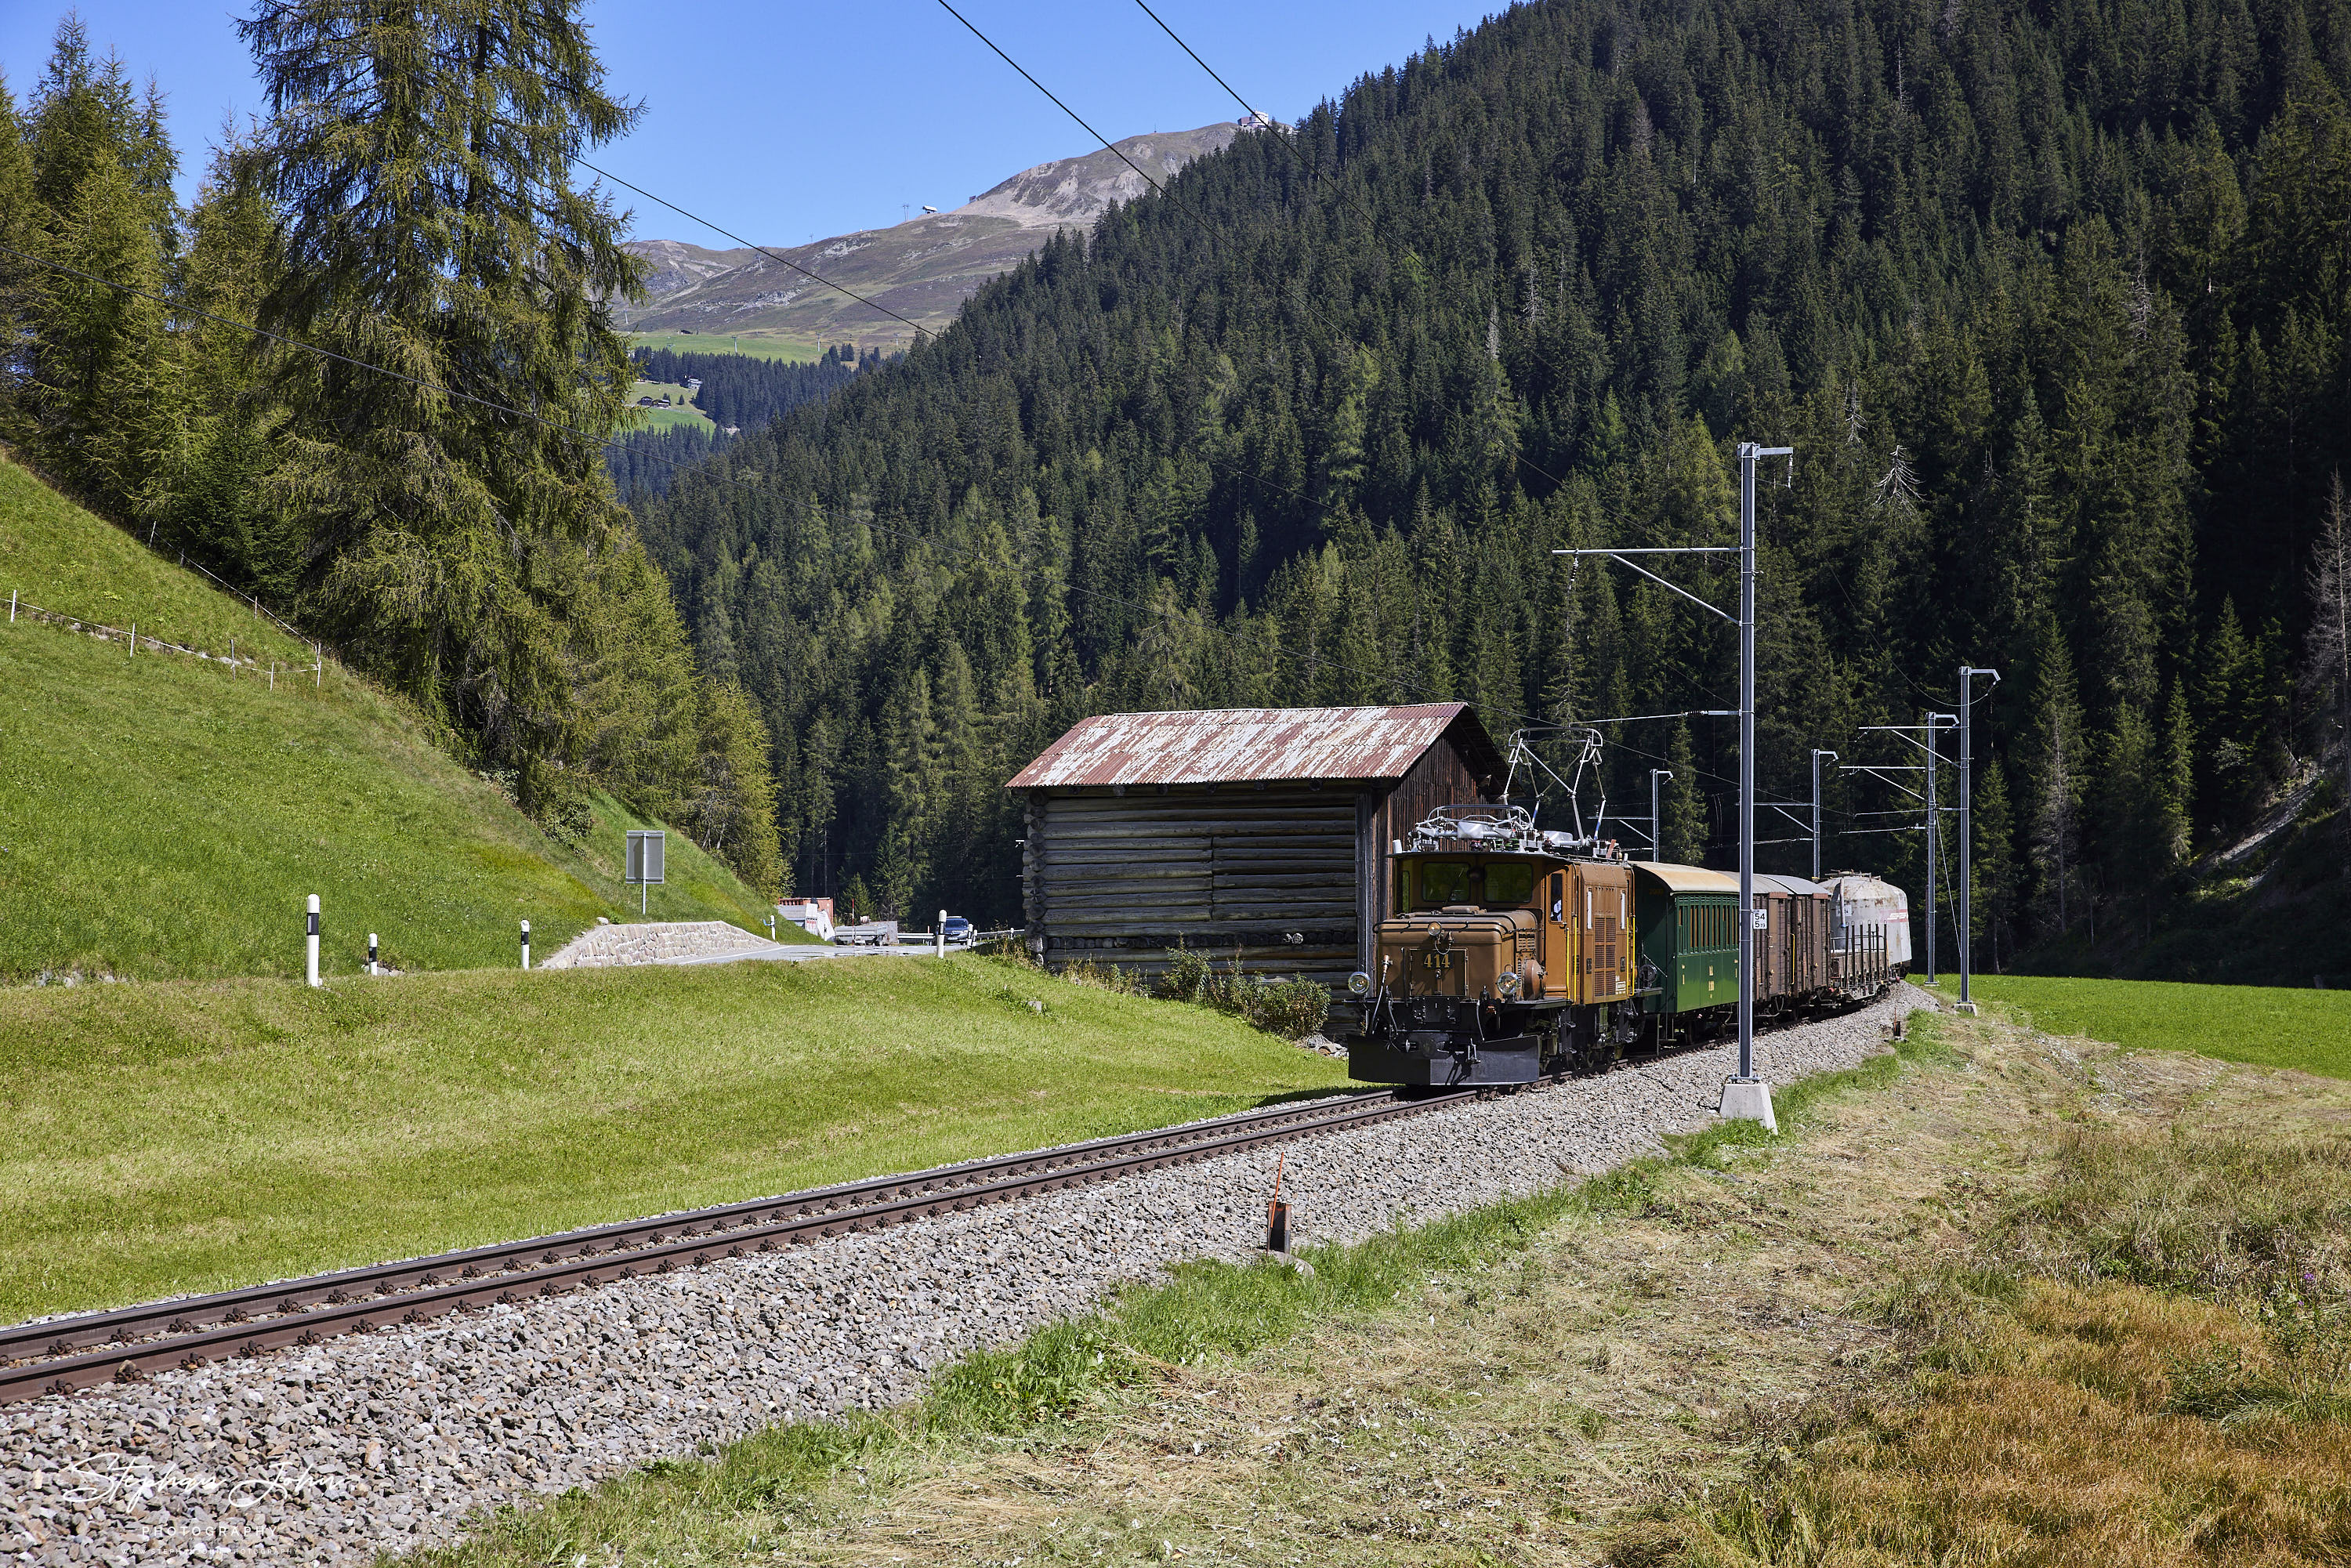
(1359, 984)
(1507, 987)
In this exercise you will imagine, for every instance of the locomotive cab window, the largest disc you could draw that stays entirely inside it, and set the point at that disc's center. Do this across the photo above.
(1507, 884)
(1440, 883)
(1559, 898)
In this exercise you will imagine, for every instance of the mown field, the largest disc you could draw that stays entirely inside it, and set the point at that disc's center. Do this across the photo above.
(163, 816)
(189, 1136)
(2269, 1026)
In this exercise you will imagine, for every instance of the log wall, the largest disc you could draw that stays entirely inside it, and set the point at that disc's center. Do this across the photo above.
(1123, 878)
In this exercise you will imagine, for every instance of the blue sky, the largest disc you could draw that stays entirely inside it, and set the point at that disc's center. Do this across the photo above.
(786, 123)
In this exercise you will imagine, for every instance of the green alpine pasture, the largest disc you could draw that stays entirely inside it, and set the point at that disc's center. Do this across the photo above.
(680, 410)
(163, 815)
(2267, 1026)
(757, 345)
(188, 1136)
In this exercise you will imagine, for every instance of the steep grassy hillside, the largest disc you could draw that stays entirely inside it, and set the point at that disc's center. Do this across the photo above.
(189, 1136)
(165, 815)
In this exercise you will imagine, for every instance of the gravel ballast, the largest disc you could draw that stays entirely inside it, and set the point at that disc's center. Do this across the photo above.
(391, 1441)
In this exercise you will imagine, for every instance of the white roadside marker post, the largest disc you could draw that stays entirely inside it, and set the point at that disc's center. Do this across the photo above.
(526, 943)
(310, 942)
(942, 948)
(371, 968)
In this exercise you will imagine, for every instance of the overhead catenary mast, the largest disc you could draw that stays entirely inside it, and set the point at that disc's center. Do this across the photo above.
(1816, 809)
(1966, 838)
(1745, 1097)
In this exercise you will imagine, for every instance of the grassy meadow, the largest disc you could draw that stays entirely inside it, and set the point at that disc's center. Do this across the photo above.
(2267, 1026)
(165, 816)
(757, 345)
(680, 412)
(188, 1136)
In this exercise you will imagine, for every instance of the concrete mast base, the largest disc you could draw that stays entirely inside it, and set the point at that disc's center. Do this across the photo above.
(1749, 1100)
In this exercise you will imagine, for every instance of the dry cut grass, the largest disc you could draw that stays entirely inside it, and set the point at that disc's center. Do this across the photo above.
(2147, 1362)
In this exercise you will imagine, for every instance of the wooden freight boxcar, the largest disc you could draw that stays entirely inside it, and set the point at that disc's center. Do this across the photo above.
(1793, 966)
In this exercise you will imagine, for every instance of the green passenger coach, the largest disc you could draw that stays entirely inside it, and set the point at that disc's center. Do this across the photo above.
(1687, 923)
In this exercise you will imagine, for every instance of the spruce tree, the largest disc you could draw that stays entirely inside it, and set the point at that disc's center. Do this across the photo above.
(1684, 837)
(1993, 896)
(215, 510)
(2175, 786)
(2227, 714)
(24, 281)
(421, 159)
(2127, 792)
(734, 811)
(109, 408)
(2054, 759)
(100, 403)
(2329, 645)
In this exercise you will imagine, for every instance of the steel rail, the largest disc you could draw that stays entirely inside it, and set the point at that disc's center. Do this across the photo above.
(67, 1353)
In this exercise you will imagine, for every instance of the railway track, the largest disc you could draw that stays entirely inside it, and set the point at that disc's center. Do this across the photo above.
(67, 1353)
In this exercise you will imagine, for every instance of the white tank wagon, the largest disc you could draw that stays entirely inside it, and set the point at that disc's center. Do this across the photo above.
(1869, 909)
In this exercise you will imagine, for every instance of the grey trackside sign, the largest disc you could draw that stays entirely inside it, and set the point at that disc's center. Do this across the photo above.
(644, 855)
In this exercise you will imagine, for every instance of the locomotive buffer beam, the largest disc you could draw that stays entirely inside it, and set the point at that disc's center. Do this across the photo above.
(1428, 1059)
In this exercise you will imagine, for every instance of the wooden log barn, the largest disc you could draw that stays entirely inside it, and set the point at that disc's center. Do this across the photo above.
(1262, 831)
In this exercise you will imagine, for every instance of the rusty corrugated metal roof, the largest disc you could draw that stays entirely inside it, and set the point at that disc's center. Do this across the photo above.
(1238, 746)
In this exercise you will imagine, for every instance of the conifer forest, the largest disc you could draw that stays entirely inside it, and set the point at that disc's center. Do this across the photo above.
(2051, 299)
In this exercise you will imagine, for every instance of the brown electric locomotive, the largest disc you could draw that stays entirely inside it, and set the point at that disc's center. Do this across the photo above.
(1510, 956)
